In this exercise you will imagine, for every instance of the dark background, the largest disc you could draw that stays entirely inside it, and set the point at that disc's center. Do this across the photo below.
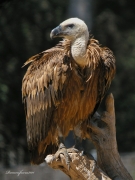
(24, 31)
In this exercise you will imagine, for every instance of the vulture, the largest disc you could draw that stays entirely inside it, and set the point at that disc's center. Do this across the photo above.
(63, 86)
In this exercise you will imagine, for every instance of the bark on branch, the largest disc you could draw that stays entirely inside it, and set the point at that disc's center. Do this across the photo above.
(102, 132)
(81, 167)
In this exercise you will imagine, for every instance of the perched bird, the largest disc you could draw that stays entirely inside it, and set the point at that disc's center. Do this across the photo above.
(63, 86)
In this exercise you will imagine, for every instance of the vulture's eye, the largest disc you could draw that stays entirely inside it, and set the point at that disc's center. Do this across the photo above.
(70, 25)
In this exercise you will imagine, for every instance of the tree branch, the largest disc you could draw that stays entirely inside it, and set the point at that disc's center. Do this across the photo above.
(102, 132)
(81, 166)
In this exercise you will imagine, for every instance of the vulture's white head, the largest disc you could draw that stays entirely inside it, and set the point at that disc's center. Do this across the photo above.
(77, 32)
(70, 29)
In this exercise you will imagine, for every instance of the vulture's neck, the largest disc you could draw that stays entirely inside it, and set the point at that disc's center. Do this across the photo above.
(79, 48)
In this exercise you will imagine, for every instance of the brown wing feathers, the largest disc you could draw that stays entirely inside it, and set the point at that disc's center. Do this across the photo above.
(42, 86)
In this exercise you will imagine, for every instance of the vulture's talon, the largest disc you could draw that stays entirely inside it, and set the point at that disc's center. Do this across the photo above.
(62, 150)
(73, 150)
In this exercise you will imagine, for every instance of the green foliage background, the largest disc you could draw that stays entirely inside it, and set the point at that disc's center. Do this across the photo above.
(24, 31)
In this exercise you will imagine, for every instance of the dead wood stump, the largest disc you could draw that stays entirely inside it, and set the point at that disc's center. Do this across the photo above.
(102, 132)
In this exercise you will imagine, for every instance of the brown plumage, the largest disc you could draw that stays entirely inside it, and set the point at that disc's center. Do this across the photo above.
(58, 92)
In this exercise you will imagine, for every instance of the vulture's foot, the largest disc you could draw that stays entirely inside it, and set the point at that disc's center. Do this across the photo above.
(75, 150)
(62, 150)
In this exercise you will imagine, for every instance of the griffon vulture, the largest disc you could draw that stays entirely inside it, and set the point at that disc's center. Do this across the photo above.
(63, 86)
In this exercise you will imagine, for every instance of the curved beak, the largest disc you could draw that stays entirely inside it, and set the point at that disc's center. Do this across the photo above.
(56, 32)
